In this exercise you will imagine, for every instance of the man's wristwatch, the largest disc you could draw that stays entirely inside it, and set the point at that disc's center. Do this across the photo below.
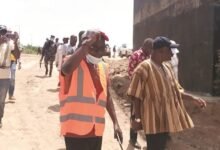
(137, 120)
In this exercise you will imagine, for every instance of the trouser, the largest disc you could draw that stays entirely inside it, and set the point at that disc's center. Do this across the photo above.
(157, 141)
(4, 85)
(133, 133)
(92, 143)
(12, 80)
(50, 63)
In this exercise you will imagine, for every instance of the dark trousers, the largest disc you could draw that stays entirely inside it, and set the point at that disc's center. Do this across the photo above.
(157, 141)
(4, 86)
(50, 63)
(133, 133)
(92, 143)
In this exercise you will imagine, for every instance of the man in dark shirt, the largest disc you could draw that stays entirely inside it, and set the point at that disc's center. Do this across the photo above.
(48, 53)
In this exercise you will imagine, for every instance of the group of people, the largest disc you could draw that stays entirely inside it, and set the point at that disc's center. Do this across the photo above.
(156, 95)
(9, 59)
(55, 51)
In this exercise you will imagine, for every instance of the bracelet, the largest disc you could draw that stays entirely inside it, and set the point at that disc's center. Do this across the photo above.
(138, 120)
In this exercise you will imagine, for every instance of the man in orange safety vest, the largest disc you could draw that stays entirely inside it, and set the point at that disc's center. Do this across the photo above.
(84, 95)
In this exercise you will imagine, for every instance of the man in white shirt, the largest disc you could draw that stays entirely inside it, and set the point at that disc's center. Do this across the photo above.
(174, 60)
(5, 51)
(72, 45)
(62, 51)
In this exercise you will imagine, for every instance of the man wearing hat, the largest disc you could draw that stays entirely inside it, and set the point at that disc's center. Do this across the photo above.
(5, 61)
(136, 58)
(156, 91)
(84, 95)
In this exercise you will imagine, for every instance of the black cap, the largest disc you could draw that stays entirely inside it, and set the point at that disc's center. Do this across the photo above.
(3, 29)
(161, 41)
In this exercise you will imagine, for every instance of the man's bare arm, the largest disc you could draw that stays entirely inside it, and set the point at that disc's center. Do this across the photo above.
(111, 110)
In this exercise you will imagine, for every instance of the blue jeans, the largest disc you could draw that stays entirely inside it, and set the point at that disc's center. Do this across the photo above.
(12, 81)
(4, 85)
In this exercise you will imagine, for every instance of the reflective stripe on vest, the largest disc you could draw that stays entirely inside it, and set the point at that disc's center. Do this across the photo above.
(79, 117)
(80, 98)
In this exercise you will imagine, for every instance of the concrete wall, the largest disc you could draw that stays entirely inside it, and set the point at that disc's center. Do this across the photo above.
(190, 23)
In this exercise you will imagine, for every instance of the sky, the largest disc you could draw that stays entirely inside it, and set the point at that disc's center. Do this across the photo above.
(36, 20)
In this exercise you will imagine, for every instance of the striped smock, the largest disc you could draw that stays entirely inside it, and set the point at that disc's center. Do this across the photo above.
(162, 108)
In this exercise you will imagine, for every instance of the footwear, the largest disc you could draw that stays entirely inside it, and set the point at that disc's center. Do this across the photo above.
(50, 74)
(135, 144)
(12, 98)
(46, 72)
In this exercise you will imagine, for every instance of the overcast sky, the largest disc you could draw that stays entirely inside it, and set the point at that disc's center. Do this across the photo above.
(38, 19)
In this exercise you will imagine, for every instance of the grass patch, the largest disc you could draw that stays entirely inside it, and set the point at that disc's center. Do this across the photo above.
(29, 49)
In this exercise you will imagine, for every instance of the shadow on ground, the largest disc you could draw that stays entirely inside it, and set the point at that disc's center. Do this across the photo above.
(41, 77)
(55, 108)
(53, 90)
(9, 102)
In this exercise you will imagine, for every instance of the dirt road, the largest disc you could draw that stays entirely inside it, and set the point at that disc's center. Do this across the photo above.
(31, 122)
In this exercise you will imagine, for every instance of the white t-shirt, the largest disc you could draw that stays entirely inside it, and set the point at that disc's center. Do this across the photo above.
(174, 63)
(5, 73)
(61, 52)
(71, 49)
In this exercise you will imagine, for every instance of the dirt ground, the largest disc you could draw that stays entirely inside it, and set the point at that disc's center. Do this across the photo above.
(205, 135)
(31, 122)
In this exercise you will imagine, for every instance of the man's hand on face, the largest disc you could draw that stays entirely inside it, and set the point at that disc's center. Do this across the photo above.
(90, 38)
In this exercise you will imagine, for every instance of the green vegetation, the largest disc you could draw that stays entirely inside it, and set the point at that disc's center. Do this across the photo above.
(29, 49)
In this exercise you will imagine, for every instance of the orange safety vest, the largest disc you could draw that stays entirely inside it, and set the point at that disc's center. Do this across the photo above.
(80, 111)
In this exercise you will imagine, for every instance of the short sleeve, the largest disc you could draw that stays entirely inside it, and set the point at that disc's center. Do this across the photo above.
(136, 87)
